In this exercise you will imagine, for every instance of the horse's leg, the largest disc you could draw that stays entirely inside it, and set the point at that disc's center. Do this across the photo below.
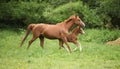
(66, 42)
(35, 36)
(30, 42)
(41, 41)
(78, 46)
(61, 44)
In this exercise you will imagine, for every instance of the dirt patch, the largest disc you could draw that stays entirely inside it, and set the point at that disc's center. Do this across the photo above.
(115, 42)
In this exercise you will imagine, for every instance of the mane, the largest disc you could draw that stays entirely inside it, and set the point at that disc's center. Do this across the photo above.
(69, 19)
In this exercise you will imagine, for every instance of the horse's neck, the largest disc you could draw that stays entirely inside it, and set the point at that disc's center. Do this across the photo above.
(68, 25)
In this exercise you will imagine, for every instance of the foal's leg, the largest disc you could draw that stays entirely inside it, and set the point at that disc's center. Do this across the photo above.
(41, 41)
(78, 46)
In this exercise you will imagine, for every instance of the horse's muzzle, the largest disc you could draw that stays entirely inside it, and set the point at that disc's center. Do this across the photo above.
(82, 25)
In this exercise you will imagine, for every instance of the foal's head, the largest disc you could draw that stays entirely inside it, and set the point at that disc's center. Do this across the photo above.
(77, 20)
(81, 31)
(78, 30)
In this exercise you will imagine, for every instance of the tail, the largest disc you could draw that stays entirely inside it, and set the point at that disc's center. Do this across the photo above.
(29, 28)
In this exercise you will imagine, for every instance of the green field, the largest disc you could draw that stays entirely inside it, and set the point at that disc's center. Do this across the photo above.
(95, 55)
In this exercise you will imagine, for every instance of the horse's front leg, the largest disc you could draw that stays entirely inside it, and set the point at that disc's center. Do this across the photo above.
(78, 46)
(41, 41)
(66, 42)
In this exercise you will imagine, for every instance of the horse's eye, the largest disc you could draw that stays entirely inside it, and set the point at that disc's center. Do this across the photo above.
(76, 39)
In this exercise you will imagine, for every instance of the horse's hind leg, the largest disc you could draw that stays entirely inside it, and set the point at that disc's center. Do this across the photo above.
(41, 37)
(33, 39)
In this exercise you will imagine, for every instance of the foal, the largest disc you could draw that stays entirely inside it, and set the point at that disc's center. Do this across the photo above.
(73, 37)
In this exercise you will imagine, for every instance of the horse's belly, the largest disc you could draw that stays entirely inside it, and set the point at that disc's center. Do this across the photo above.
(52, 32)
(52, 35)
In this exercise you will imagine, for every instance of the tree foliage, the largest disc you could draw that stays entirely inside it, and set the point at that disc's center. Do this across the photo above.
(111, 8)
(108, 10)
(21, 12)
(64, 11)
(95, 13)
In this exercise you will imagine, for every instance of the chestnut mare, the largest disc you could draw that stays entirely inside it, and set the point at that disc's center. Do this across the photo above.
(73, 37)
(58, 31)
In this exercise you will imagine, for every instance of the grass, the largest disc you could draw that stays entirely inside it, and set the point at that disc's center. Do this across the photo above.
(95, 54)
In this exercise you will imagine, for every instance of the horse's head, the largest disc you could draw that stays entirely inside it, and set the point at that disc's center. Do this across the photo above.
(77, 21)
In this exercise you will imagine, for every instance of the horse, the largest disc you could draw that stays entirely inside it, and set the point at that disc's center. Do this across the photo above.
(73, 37)
(50, 31)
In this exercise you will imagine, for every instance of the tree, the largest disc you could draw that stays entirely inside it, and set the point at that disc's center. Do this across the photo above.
(108, 10)
(112, 9)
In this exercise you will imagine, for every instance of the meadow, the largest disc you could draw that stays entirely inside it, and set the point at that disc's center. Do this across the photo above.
(96, 53)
